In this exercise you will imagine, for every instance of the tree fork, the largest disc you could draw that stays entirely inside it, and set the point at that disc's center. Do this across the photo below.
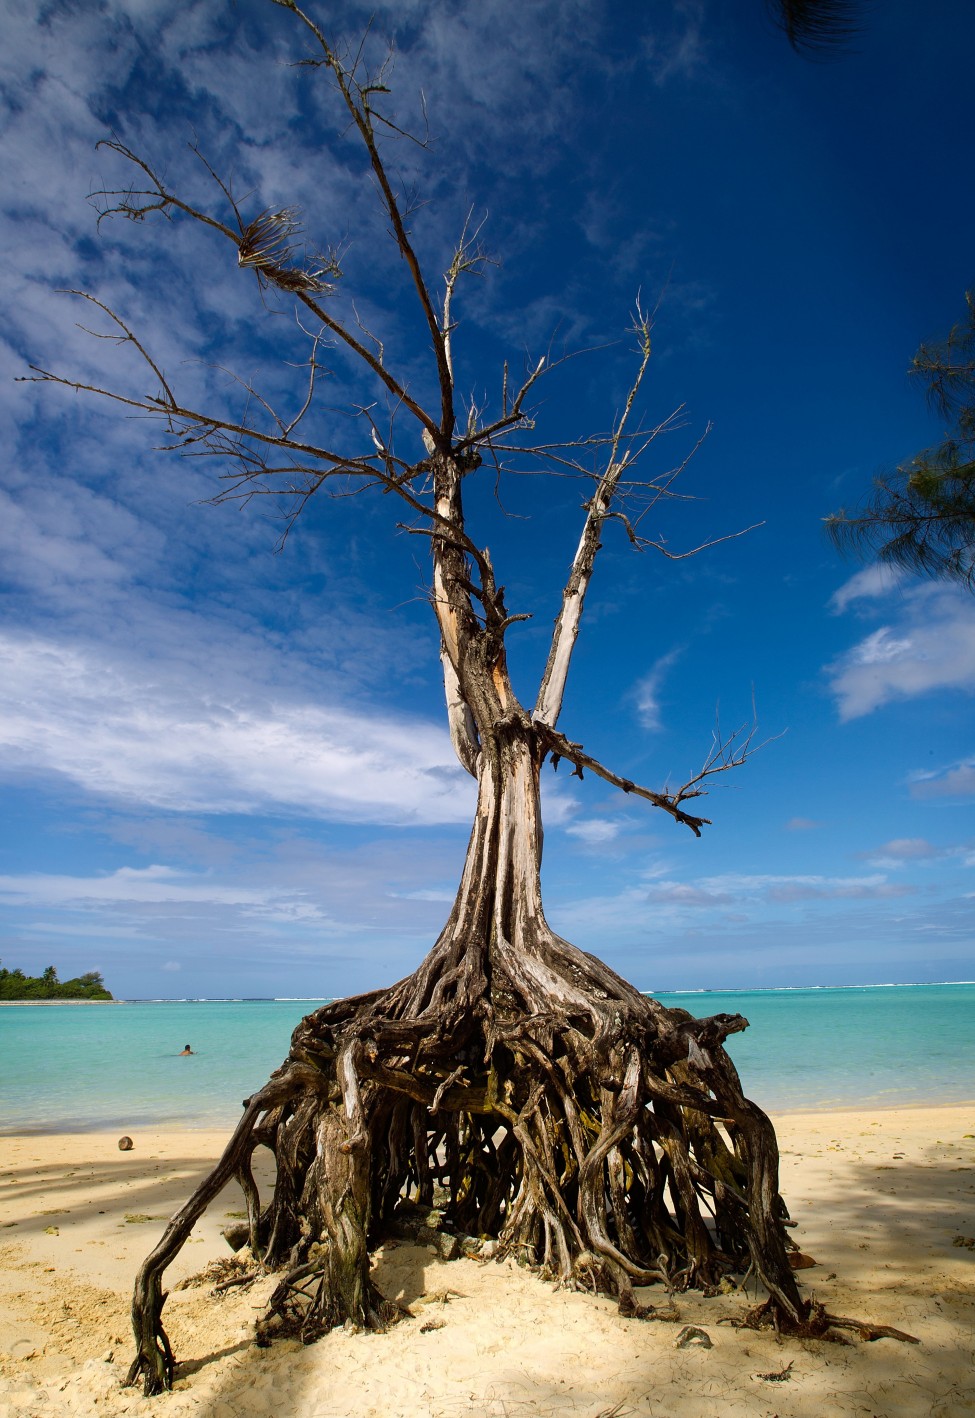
(542, 1100)
(611, 1170)
(519, 1083)
(620, 1162)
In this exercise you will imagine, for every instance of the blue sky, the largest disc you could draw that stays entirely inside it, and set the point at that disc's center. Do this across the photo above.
(226, 770)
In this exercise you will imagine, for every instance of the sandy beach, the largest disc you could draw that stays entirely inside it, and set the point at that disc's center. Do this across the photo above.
(885, 1202)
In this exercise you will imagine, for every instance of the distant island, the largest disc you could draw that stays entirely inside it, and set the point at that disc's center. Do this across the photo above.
(15, 985)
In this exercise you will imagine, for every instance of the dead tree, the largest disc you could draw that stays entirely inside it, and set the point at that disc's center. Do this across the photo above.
(541, 1099)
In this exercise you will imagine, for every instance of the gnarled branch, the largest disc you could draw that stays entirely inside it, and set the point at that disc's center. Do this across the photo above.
(560, 747)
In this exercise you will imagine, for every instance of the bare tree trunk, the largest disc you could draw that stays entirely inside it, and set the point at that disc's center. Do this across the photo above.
(544, 1101)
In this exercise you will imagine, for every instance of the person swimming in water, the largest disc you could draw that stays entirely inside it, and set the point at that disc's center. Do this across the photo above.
(186, 1050)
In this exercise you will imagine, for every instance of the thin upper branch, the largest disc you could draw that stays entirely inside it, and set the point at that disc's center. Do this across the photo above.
(357, 99)
(265, 246)
(266, 457)
(468, 259)
(552, 689)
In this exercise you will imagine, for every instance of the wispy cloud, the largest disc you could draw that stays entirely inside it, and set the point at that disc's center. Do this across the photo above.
(682, 52)
(143, 885)
(905, 852)
(723, 906)
(867, 585)
(646, 691)
(167, 735)
(957, 780)
(903, 849)
(595, 831)
(299, 898)
(734, 887)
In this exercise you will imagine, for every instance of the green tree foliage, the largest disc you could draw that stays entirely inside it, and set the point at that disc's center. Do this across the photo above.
(922, 517)
(15, 985)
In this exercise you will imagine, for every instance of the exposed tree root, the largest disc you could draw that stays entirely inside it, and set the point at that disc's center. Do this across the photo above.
(593, 1133)
(521, 1085)
(818, 1323)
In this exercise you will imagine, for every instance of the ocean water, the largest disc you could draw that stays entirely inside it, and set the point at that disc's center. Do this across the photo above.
(81, 1067)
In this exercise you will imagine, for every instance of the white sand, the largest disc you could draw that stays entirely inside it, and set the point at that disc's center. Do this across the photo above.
(880, 1198)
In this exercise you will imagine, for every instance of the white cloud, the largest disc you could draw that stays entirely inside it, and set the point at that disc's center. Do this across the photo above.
(957, 780)
(915, 851)
(82, 928)
(171, 735)
(869, 584)
(741, 887)
(903, 849)
(595, 831)
(724, 904)
(155, 885)
(930, 646)
(801, 824)
(319, 897)
(441, 895)
(647, 691)
(881, 648)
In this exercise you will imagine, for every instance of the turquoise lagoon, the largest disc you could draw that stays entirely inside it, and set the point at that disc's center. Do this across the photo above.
(75, 1068)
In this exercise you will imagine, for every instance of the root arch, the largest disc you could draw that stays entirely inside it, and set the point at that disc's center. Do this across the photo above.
(523, 1090)
(582, 1127)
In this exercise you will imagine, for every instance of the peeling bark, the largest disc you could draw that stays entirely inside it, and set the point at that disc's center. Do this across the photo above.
(596, 1135)
(460, 720)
